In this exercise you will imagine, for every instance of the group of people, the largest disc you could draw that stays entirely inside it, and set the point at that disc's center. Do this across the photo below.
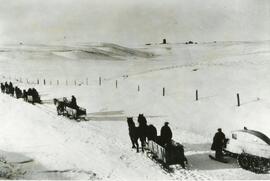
(7, 88)
(144, 131)
(30, 95)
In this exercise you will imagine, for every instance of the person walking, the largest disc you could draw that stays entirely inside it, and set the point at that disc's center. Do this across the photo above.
(218, 143)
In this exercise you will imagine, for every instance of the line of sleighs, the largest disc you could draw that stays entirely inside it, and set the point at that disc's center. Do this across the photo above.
(65, 107)
(31, 95)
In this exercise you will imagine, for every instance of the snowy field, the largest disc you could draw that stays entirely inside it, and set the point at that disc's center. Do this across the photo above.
(38, 144)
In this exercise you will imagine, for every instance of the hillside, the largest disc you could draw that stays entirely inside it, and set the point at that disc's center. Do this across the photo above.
(100, 148)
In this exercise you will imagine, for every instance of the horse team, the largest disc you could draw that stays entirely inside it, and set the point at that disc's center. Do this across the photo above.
(144, 131)
(31, 95)
(162, 147)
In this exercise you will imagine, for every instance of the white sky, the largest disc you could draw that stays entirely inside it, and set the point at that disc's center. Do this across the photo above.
(133, 21)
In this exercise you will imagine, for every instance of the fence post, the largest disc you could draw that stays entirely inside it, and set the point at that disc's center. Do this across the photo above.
(238, 100)
(197, 95)
(163, 92)
(138, 88)
(100, 81)
(37, 81)
(116, 84)
(44, 81)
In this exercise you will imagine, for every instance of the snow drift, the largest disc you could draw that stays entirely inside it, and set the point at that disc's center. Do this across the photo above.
(100, 148)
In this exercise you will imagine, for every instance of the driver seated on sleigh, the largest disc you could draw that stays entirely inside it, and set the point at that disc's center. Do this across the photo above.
(73, 102)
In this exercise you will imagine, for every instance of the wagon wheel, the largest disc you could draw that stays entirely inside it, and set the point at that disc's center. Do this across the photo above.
(243, 161)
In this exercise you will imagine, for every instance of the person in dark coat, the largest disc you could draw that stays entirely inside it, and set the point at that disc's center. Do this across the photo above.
(16, 91)
(24, 95)
(165, 134)
(6, 88)
(30, 92)
(11, 89)
(2, 88)
(73, 102)
(36, 97)
(19, 93)
(218, 143)
(29, 96)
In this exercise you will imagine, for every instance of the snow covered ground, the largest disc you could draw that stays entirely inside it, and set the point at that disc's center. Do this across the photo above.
(58, 148)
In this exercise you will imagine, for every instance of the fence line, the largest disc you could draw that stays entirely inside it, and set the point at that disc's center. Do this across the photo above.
(49, 82)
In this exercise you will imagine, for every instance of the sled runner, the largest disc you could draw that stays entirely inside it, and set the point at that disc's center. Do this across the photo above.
(219, 160)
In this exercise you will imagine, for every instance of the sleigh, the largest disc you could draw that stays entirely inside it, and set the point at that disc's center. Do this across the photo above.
(170, 154)
(65, 108)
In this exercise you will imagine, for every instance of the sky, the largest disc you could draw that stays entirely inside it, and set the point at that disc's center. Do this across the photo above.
(133, 21)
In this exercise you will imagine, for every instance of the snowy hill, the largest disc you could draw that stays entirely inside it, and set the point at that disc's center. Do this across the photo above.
(100, 148)
(101, 51)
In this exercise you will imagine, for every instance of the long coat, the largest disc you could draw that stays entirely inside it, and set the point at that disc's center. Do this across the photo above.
(218, 141)
(166, 134)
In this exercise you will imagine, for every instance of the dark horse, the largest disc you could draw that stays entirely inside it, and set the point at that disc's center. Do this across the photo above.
(133, 133)
(137, 132)
(151, 133)
(143, 130)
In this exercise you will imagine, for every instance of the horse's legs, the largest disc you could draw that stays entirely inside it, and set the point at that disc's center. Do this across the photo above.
(142, 143)
(132, 140)
(137, 145)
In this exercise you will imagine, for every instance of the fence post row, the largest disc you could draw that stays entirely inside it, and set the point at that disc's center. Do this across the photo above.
(163, 92)
(238, 100)
(116, 85)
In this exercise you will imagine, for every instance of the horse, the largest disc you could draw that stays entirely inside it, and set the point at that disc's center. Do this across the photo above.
(136, 133)
(143, 129)
(133, 133)
(151, 133)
